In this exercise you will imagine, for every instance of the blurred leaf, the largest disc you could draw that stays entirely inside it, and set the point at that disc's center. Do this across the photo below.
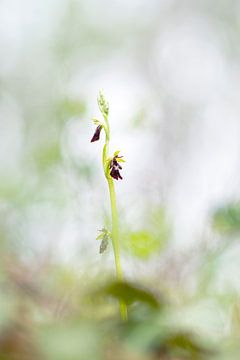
(144, 243)
(130, 294)
(184, 345)
(155, 335)
(226, 220)
(10, 189)
(68, 108)
(48, 155)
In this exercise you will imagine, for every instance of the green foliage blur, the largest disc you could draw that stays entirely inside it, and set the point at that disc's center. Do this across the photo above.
(59, 299)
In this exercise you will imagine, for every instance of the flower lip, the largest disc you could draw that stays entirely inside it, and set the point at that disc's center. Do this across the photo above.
(115, 167)
(96, 135)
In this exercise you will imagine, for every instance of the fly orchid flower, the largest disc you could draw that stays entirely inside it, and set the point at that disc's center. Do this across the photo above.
(115, 166)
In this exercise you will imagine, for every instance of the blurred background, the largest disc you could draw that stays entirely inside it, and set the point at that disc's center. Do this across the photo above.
(170, 71)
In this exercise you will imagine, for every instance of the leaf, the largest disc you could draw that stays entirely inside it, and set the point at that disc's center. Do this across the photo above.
(142, 244)
(47, 155)
(226, 220)
(104, 244)
(130, 294)
(99, 237)
(185, 344)
(69, 107)
(104, 236)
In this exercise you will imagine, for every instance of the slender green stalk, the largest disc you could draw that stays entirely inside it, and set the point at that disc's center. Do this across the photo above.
(115, 226)
(115, 241)
(111, 168)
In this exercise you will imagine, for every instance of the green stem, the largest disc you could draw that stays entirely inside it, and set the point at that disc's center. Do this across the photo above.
(115, 240)
(115, 227)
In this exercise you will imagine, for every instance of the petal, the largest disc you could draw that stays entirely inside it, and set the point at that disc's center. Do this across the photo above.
(96, 135)
(119, 175)
(114, 173)
(120, 160)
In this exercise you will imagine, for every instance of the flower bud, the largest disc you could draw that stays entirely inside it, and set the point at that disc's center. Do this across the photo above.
(103, 105)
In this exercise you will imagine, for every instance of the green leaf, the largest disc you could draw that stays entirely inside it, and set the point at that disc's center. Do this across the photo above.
(226, 220)
(68, 107)
(49, 154)
(142, 244)
(99, 237)
(185, 344)
(104, 236)
(104, 244)
(130, 294)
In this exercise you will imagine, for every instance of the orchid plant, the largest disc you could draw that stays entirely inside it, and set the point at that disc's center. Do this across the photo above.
(111, 166)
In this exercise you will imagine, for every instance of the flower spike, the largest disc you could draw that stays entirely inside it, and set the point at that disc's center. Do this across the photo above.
(111, 167)
(103, 105)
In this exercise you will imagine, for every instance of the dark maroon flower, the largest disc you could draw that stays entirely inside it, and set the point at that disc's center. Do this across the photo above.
(115, 167)
(96, 135)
